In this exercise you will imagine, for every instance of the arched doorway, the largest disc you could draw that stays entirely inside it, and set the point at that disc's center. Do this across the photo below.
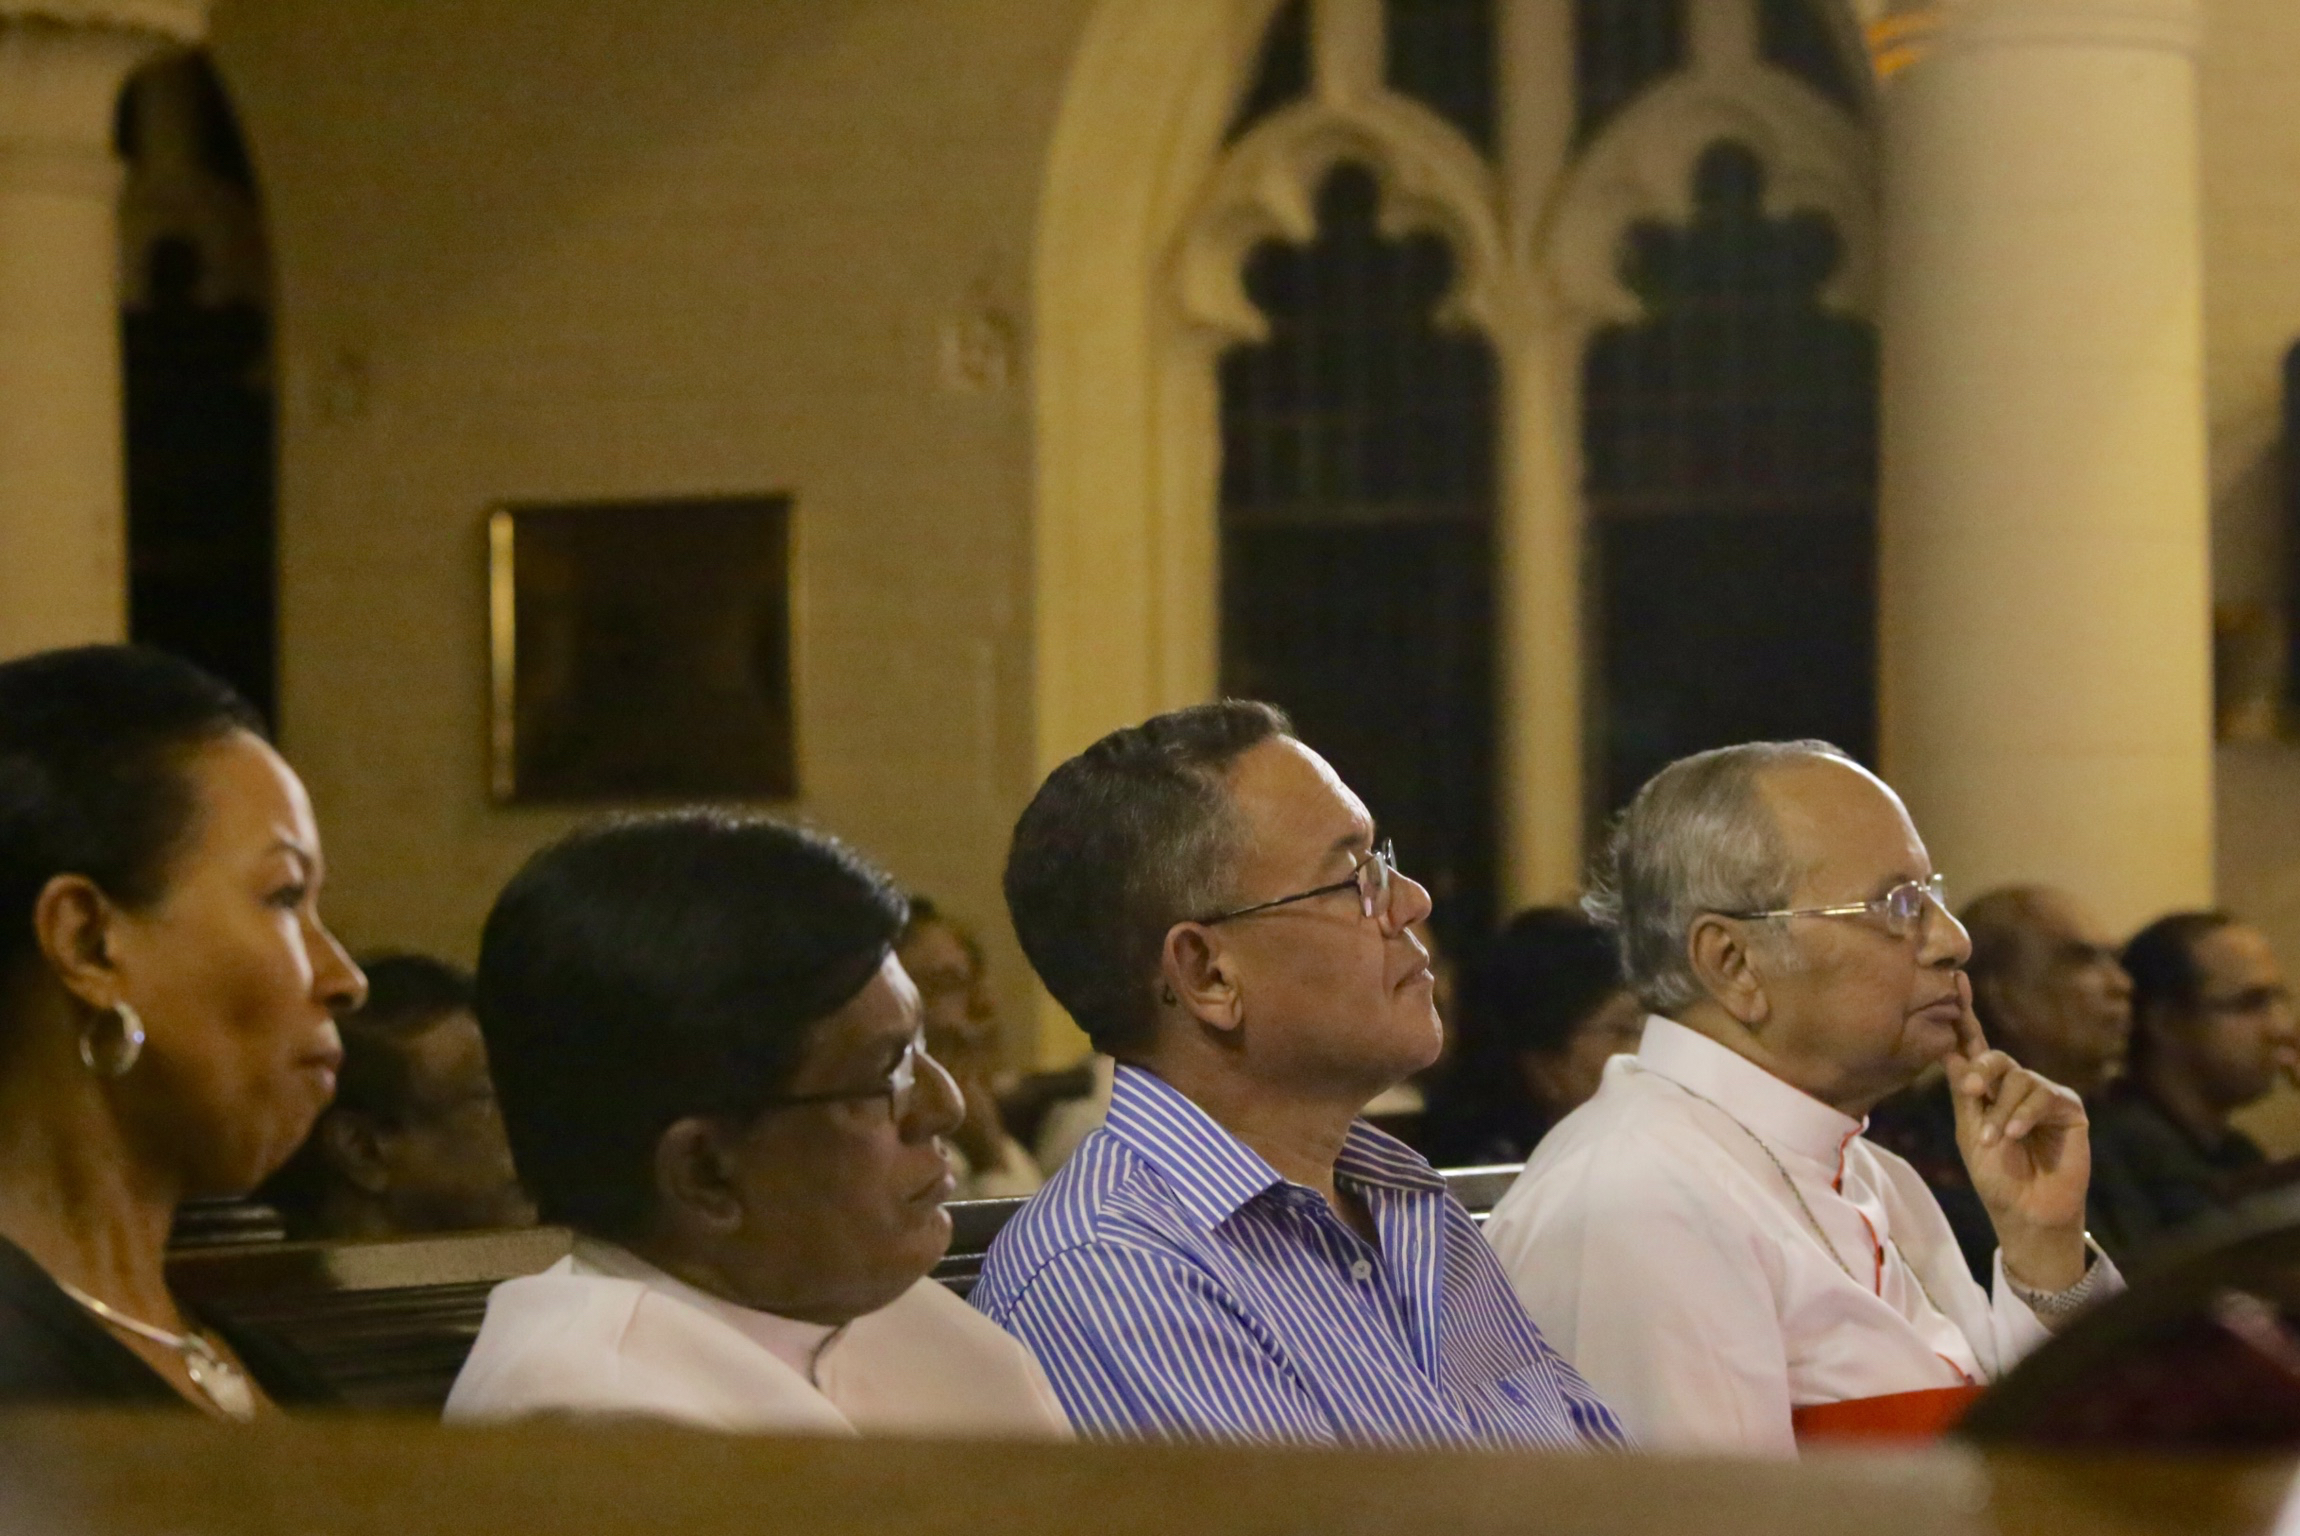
(196, 332)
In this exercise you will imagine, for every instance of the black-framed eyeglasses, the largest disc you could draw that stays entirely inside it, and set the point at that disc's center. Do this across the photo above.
(1902, 908)
(900, 1083)
(1371, 876)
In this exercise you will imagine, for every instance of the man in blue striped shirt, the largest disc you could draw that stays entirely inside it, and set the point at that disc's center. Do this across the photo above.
(1235, 1255)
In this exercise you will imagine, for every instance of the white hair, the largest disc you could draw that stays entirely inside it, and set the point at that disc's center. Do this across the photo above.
(1697, 838)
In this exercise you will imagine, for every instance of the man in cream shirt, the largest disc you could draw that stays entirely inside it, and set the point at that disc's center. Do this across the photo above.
(712, 1068)
(1710, 1240)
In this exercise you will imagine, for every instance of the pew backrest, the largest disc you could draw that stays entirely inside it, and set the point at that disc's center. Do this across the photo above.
(388, 1323)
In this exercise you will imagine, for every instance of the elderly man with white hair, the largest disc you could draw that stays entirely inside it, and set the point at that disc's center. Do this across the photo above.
(1710, 1240)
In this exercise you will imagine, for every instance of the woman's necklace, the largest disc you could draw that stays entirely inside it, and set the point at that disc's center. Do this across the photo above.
(220, 1382)
(1798, 1195)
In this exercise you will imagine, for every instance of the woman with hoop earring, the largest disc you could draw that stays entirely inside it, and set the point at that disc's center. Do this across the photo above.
(167, 1018)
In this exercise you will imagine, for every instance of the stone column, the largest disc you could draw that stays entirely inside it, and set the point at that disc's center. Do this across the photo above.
(2044, 604)
(63, 521)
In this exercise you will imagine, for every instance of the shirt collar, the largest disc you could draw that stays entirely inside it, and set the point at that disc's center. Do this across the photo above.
(1213, 1173)
(1785, 1117)
(797, 1344)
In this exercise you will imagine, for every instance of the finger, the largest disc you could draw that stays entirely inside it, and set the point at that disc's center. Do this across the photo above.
(1983, 1077)
(1972, 1040)
(2035, 1103)
(2014, 1113)
(1977, 1095)
(2051, 1107)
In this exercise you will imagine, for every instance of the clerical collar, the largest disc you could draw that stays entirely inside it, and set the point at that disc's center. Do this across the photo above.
(1789, 1119)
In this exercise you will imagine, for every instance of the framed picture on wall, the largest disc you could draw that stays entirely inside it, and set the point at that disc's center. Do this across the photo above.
(642, 651)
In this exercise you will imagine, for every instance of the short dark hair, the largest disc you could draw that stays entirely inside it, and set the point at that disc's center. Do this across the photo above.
(94, 744)
(2161, 960)
(406, 996)
(645, 969)
(1123, 841)
(1539, 980)
(1536, 983)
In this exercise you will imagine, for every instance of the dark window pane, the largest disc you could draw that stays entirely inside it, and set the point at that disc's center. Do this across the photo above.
(1619, 48)
(1796, 36)
(1441, 53)
(1282, 72)
(1357, 535)
(1730, 453)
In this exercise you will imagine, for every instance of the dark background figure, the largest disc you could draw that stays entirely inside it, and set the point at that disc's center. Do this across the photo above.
(2050, 992)
(2212, 1028)
(962, 1033)
(1543, 1012)
(414, 1141)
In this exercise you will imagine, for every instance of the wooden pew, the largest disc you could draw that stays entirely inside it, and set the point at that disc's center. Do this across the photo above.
(388, 1323)
(177, 1475)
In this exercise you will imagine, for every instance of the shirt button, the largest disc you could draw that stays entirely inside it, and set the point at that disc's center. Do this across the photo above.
(1362, 1269)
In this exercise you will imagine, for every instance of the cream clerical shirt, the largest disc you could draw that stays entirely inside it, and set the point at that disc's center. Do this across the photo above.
(1657, 1241)
(604, 1333)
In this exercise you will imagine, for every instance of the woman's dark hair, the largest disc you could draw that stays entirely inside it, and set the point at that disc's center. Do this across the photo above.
(1123, 841)
(1538, 980)
(94, 749)
(646, 969)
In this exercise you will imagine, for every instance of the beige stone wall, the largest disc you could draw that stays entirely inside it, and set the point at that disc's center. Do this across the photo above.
(542, 249)
(2252, 314)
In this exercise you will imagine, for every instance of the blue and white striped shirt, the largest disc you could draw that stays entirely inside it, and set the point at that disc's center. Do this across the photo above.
(1173, 1283)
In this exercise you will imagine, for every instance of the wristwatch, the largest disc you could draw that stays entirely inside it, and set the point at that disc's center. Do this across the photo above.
(2053, 1308)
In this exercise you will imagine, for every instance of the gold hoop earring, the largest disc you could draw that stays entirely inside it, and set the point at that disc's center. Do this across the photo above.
(120, 1059)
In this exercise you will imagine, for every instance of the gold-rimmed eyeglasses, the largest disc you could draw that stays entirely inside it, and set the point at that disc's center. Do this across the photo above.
(1902, 908)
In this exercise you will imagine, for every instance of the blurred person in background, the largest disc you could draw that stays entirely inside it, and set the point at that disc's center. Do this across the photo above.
(414, 1141)
(713, 1068)
(1543, 1012)
(2212, 1030)
(962, 1033)
(168, 998)
(2051, 993)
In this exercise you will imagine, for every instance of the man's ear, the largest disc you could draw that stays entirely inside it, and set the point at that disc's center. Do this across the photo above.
(1725, 963)
(352, 1144)
(1196, 977)
(72, 920)
(694, 1177)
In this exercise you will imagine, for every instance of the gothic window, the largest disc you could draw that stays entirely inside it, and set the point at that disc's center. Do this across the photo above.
(1282, 72)
(1441, 53)
(1619, 48)
(1730, 454)
(197, 346)
(1796, 37)
(1357, 534)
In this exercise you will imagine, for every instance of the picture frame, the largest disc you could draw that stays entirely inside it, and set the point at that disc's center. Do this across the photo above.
(642, 651)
